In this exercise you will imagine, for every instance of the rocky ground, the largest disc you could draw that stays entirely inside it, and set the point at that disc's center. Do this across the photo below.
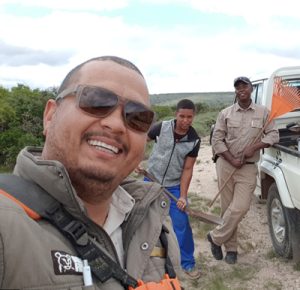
(258, 266)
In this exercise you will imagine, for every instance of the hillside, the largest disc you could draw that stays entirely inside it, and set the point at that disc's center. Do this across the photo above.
(211, 98)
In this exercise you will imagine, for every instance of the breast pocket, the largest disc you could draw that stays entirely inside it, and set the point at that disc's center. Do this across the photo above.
(256, 127)
(233, 127)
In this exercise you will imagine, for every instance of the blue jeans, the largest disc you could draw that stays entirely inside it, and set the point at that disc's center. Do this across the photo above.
(182, 229)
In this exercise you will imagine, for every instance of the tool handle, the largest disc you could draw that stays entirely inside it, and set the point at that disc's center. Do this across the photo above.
(152, 178)
(205, 217)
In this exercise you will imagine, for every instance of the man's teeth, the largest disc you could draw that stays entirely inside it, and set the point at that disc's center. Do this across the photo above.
(102, 145)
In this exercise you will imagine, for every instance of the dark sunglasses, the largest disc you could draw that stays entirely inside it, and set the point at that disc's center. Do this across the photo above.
(99, 102)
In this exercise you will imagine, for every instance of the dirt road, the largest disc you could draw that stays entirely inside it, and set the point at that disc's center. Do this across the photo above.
(258, 267)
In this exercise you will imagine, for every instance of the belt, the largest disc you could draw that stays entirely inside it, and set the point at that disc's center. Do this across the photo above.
(250, 162)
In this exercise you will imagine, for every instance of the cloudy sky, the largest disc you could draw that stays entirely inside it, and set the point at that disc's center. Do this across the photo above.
(179, 45)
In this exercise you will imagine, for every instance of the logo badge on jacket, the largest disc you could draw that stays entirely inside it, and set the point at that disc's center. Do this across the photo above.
(66, 264)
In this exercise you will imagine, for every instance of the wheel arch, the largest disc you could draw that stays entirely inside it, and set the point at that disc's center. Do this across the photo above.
(269, 174)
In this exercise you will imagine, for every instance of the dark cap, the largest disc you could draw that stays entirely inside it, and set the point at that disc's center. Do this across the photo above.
(241, 79)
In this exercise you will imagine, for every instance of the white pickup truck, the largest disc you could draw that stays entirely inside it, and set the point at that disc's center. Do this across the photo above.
(279, 168)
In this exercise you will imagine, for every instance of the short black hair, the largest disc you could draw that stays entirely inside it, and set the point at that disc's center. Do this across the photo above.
(185, 104)
(73, 73)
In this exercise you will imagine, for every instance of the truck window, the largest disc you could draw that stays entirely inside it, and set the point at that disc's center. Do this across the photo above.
(257, 92)
(296, 84)
(254, 92)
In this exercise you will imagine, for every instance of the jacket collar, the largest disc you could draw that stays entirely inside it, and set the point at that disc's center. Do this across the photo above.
(50, 175)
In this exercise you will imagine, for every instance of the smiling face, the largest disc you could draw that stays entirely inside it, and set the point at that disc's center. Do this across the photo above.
(98, 153)
(243, 93)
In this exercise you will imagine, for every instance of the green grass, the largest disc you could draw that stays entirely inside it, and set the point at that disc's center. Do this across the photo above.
(4, 169)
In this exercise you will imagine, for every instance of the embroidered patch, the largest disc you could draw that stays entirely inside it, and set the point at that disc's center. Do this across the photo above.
(65, 264)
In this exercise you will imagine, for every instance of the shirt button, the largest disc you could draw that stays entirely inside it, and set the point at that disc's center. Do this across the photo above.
(163, 204)
(145, 246)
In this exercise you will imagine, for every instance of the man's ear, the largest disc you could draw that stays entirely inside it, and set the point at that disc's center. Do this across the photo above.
(49, 112)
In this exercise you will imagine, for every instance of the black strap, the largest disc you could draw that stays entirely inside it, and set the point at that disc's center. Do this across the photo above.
(164, 241)
(102, 265)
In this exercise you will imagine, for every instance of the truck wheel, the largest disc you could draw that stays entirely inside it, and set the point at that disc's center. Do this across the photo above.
(279, 226)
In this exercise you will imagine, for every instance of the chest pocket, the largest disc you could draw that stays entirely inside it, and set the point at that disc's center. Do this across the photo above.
(256, 126)
(233, 127)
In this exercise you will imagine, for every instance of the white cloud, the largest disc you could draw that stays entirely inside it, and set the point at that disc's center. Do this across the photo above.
(72, 5)
(173, 59)
(238, 8)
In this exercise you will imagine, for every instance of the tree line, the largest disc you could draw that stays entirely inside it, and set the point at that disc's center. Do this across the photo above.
(21, 120)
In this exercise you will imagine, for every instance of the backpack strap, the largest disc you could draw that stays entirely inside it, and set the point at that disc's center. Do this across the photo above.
(164, 241)
(32, 198)
(38, 204)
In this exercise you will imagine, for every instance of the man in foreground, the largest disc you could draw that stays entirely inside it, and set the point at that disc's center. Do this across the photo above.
(240, 132)
(171, 163)
(96, 132)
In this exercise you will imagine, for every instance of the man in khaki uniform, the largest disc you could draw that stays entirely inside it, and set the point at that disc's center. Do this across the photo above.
(235, 142)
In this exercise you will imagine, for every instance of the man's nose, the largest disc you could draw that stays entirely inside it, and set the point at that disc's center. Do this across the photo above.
(114, 121)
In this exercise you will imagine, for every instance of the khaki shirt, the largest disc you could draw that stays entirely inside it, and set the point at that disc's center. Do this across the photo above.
(236, 128)
(120, 208)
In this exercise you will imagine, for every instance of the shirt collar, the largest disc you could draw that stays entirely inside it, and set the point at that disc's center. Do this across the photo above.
(239, 108)
(121, 205)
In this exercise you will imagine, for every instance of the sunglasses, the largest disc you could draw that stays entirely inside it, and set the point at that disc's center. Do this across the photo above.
(99, 102)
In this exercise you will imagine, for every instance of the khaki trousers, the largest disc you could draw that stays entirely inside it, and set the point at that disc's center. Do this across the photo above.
(235, 200)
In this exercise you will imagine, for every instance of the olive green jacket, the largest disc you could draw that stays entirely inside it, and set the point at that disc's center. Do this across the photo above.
(35, 255)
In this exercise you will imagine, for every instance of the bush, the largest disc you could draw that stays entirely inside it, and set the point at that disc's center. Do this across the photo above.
(202, 107)
(12, 141)
(163, 112)
(21, 120)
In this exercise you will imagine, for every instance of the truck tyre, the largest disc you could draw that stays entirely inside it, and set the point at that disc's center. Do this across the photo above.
(279, 225)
